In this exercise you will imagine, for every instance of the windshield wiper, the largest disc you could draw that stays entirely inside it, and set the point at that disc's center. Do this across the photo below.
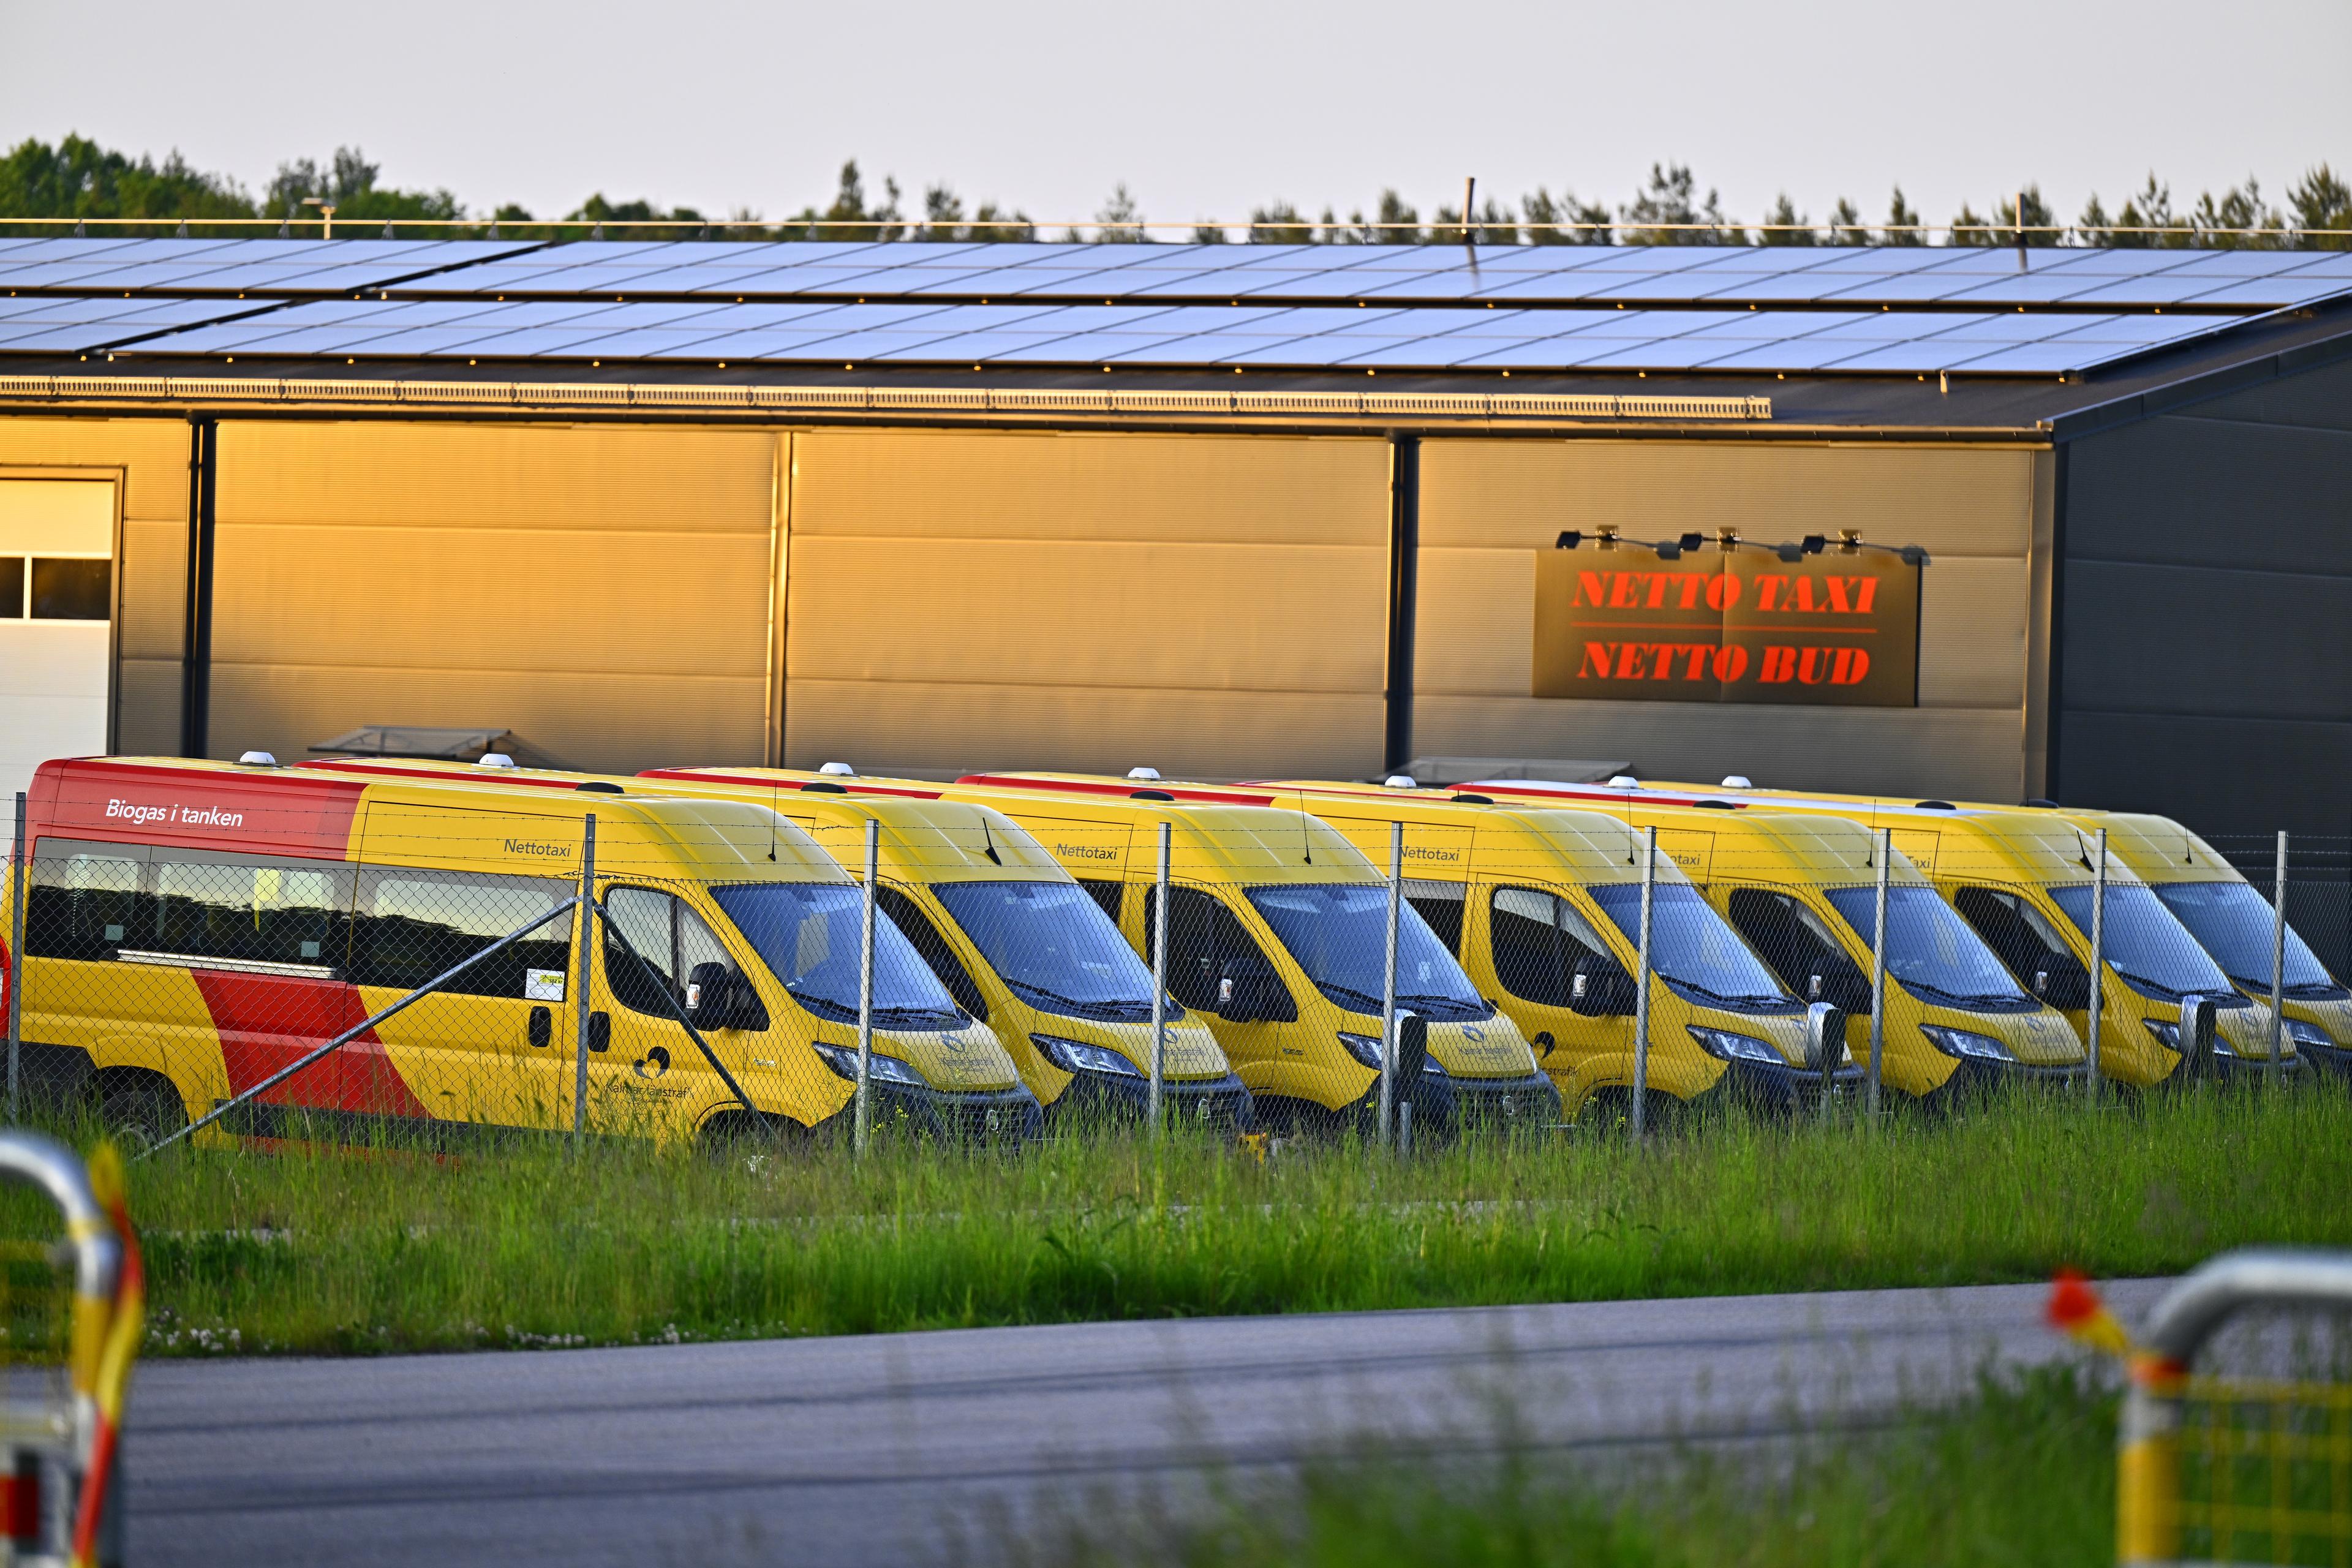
(1107, 1006)
(1371, 1002)
(1728, 998)
(2128, 978)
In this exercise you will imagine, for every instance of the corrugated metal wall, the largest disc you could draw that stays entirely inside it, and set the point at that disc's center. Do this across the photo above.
(2206, 621)
(150, 459)
(1485, 505)
(602, 591)
(1210, 606)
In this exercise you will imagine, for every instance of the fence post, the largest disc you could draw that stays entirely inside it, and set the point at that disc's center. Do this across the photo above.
(581, 1006)
(862, 1129)
(1641, 986)
(2099, 961)
(2278, 975)
(1388, 984)
(1152, 1107)
(21, 872)
(1878, 976)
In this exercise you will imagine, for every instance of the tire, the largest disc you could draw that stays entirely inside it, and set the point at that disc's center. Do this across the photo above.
(138, 1109)
(740, 1134)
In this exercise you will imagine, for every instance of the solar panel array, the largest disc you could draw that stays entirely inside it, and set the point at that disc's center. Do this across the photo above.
(1549, 274)
(1887, 310)
(1178, 335)
(249, 266)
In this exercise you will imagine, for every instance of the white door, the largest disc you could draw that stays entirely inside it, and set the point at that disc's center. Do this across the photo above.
(56, 608)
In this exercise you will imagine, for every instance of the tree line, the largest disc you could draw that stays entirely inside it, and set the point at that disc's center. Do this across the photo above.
(76, 178)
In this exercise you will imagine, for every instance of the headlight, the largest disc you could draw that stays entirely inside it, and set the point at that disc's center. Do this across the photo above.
(1366, 1049)
(843, 1059)
(1077, 1056)
(2169, 1033)
(2304, 1034)
(1961, 1043)
(1730, 1046)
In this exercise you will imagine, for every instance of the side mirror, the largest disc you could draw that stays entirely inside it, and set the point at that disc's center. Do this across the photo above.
(1249, 992)
(1599, 987)
(718, 996)
(1413, 1046)
(2198, 1021)
(2063, 984)
(1824, 1038)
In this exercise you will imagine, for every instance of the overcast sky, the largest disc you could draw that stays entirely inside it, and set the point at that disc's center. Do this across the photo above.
(1205, 109)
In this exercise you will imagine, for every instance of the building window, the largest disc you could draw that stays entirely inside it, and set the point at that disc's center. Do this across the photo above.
(61, 588)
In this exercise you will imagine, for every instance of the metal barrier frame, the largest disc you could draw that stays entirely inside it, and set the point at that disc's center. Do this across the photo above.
(2147, 1490)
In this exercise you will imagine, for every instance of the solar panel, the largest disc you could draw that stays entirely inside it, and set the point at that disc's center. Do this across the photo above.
(1032, 333)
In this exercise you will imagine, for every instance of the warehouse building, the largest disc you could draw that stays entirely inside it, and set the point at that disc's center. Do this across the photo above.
(1226, 510)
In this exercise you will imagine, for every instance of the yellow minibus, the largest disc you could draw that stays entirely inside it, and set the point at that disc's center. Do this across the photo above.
(1801, 891)
(1009, 932)
(2025, 881)
(193, 928)
(1278, 936)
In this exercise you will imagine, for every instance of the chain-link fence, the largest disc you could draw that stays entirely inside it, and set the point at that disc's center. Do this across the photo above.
(300, 957)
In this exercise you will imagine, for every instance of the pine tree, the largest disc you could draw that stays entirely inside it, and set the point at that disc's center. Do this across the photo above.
(1279, 224)
(1670, 199)
(1902, 227)
(1565, 221)
(2240, 208)
(1846, 225)
(2322, 210)
(1784, 224)
(2151, 209)
(1119, 219)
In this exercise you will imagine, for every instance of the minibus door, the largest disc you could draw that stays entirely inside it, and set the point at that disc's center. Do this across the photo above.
(645, 1075)
(1217, 970)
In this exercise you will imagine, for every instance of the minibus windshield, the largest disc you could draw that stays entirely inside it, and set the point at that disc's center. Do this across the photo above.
(1054, 946)
(2233, 923)
(808, 933)
(1690, 944)
(1338, 933)
(1929, 948)
(2142, 942)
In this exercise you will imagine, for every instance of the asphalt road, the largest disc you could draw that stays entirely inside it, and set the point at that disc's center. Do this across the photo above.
(862, 1450)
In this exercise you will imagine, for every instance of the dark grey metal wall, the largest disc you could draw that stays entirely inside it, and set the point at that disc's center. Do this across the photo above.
(2205, 619)
(2205, 628)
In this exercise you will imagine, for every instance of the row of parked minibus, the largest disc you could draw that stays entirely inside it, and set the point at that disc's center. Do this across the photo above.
(193, 929)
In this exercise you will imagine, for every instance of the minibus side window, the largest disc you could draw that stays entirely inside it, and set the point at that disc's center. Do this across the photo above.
(2010, 929)
(1203, 938)
(85, 906)
(1441, 905)
(909, 917)
(408, 926)
(1799, 947)
(1106, 893)
(1538, 938)
(672, 940)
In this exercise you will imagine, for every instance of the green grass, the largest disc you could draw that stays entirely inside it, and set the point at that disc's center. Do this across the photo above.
(394, 1251)
(2022, 1474)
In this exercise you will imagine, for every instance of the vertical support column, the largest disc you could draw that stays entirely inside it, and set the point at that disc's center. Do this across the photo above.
(2278, 974)
(1153, 1114)
(1389, 984)
(2098, 962)
(862, 1128)
(1878, 976)
(20, 872)
(1404, 579)
(1642, 986)
(581, 1008)
(197, 630)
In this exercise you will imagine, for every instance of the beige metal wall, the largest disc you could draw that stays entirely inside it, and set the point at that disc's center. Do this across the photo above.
(148, 460)
(1210, 605)
(1485, 505)
(601, 591)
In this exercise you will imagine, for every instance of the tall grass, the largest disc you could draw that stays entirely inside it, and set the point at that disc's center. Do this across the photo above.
(387, 1250)
(2023, 1473)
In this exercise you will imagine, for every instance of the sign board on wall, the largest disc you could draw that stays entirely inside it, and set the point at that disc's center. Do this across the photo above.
(1744, 625)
